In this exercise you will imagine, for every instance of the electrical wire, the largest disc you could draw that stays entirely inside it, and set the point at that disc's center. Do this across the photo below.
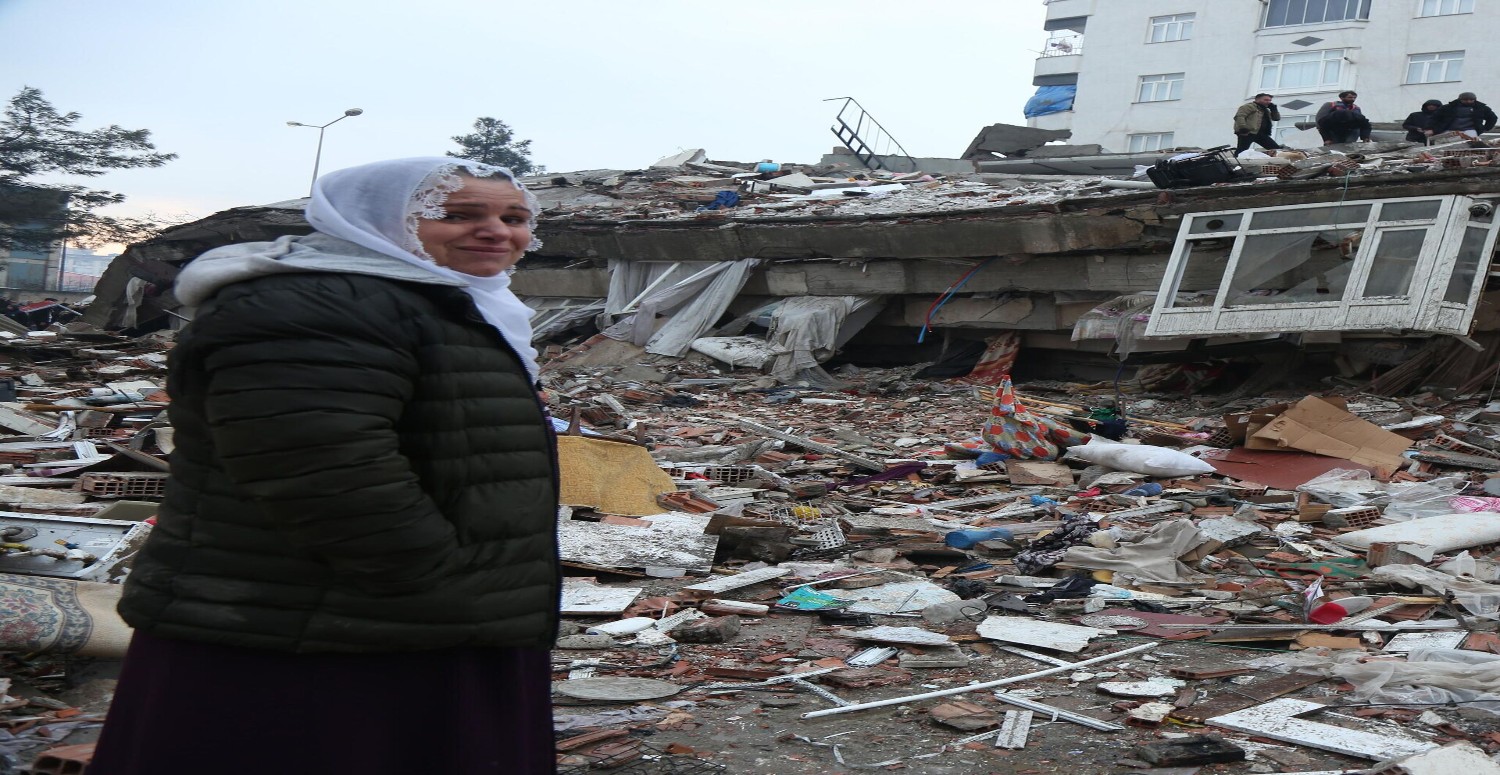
(938, 303)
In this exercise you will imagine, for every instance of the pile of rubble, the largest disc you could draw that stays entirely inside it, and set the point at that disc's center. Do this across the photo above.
(763, 578)
(830, 581)
(82, 467)
(687, 187)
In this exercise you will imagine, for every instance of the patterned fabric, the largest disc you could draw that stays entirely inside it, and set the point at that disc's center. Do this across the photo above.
(1048, 550)
(998, 359)
(1013, 430)
(1471, 503)
(41, 614)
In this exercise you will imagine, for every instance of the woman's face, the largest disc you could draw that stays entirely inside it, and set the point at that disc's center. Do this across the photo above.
(485, 231)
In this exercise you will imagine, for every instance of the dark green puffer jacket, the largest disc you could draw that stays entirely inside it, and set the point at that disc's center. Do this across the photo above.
(361, 466)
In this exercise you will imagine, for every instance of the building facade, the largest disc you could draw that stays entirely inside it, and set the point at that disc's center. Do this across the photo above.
(1154, 74)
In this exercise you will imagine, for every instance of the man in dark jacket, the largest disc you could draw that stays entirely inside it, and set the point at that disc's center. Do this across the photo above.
(1343, 121)
(1419, 125)
(1465, 114)
(1253, 122)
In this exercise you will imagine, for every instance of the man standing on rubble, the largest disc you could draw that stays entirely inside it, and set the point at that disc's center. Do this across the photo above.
(1465, 114)
(1253, 122)
(1342, 121)
(1420, 125)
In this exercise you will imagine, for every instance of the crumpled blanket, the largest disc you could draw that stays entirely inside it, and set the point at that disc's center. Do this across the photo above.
(1152, 557)
(1049, 550)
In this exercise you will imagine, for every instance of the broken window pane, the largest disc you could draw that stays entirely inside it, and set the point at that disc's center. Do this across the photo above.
(1410, 211)
(1207, 224)
(1289, 268)
(1203, 268)
(1469, 253)
(1394, 263)
(1310, 216)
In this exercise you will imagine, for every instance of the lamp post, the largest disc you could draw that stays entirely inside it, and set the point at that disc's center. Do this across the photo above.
(318, 158)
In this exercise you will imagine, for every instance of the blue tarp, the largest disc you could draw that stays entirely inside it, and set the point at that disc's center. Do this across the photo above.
(1050, 99)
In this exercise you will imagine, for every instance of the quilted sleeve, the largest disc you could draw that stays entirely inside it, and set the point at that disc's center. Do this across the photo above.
(303, 391)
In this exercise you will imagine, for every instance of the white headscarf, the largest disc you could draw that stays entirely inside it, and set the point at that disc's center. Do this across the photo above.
(377, 206)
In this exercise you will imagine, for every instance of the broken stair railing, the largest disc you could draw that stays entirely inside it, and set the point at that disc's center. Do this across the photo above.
(866, 138)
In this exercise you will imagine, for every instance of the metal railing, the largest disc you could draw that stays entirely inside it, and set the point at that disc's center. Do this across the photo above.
(866, 138)
(1063, 46)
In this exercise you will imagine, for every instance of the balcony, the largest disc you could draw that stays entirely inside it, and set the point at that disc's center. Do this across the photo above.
(1062, 46)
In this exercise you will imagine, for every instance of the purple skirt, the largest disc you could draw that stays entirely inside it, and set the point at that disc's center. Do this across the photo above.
(186, 708)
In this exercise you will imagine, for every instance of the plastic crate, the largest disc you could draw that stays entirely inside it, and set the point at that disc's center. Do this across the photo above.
(116, 485)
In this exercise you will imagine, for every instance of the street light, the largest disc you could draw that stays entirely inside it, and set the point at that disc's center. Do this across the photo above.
(318, 159)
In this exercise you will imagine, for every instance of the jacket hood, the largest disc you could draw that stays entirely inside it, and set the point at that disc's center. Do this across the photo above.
(315, 252)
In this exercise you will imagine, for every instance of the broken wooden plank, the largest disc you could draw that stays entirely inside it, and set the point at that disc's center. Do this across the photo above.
(1014, 729)
(815, 446)
(593, 599)
(1071, 638)
(718, 586)
(1278, 721)
(1245, 696)
(1055, 713)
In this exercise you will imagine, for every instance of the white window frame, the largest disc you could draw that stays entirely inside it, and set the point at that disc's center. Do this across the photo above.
(1161, 87)
(1146, 142)
(1360, 12)
(1279, 63)
(1171, 28)
(1446, 66)
(1424, 309)
(1444, 7)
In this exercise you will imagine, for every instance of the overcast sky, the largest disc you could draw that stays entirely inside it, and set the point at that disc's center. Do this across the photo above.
(593, 84)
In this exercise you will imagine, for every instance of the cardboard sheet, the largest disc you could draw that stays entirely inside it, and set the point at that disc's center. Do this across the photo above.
(1280, 470)
(1317, 426)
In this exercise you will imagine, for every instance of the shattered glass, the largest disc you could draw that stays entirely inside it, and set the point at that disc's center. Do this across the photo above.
(1283, 268)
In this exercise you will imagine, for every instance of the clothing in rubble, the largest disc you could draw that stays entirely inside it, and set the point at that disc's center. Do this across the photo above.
(1048, 550)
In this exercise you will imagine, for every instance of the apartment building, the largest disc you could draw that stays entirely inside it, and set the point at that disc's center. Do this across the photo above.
(1144, 75)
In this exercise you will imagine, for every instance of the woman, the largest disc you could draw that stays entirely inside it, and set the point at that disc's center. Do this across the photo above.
(355, 565)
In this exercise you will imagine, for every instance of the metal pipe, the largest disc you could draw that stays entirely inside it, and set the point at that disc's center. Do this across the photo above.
(980, 686)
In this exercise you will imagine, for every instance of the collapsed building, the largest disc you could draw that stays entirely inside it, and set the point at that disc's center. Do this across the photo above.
(1369, 265)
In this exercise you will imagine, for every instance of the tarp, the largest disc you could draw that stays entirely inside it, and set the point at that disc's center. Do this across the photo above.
(692, 306)
(807, 330)
(1050, 99)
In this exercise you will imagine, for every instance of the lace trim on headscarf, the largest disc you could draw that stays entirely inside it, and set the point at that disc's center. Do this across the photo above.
(432, 193)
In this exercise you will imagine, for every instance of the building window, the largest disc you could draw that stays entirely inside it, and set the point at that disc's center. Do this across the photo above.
(1159, 88)
(1285, 13)
(1302, 70)
(1153, 141)
(1445, 7)
(1165, 29)
(1435, 68)
(1414, 263)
